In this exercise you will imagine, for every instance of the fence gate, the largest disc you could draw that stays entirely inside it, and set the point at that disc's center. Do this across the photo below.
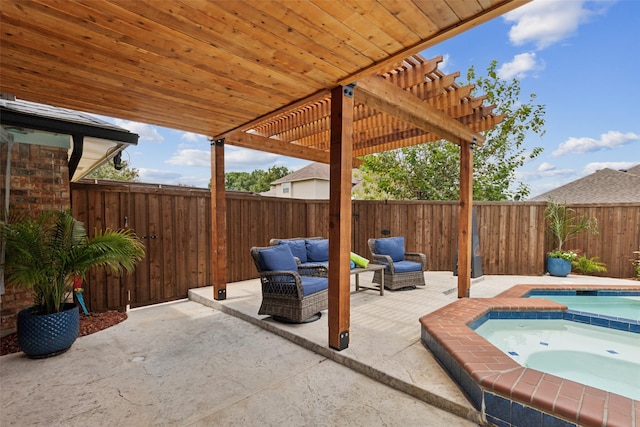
(174, 227)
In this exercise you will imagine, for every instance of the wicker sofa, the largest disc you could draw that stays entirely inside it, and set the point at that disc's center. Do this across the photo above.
(404, 269)
(287, 295)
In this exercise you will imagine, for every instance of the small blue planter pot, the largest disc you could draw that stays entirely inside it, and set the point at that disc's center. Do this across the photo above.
(46, 335)
(558, 267)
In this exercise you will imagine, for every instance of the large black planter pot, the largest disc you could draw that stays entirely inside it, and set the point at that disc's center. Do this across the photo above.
(46, 335)
(558, 267)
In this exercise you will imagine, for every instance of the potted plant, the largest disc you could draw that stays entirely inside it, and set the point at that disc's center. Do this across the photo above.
(563, 224)
(47, 254)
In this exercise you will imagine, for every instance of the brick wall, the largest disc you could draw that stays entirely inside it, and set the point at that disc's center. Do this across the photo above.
(39, 182)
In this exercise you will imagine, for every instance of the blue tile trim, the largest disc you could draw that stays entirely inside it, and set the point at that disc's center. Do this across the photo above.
(603, 321)
(598, 292)
(500, 314)
(610, 322)
(502, 411)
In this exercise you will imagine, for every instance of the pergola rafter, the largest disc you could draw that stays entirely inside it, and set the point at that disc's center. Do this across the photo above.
(417, 85)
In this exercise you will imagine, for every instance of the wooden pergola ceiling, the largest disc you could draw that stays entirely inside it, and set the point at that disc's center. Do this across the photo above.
(385, 117)
(222, 68)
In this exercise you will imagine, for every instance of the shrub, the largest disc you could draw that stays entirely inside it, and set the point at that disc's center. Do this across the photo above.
(585, 265)
(636, 264)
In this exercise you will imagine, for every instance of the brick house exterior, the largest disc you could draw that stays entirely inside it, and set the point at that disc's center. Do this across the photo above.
(39, 181)
(43, 142)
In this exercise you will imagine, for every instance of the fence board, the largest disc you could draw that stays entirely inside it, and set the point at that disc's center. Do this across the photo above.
(511, 234)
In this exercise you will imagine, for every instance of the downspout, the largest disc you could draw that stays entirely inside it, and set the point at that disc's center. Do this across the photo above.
(76, 154)
(8, 138)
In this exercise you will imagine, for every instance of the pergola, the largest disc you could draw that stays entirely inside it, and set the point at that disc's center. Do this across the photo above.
(327, 81)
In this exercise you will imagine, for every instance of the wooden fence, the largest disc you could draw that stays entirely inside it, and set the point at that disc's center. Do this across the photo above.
(174, 223)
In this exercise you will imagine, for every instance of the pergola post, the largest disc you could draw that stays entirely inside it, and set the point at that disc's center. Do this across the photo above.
(465, 217)
(341, 156)
(218, 221)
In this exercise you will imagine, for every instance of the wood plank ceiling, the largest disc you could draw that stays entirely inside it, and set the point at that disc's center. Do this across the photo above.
(255, 72)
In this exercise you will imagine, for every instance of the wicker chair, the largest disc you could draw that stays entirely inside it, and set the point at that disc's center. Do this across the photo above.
(404, 269)
(287, 295)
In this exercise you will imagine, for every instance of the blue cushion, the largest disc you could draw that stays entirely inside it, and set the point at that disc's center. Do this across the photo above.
(278, 258)
(392, 246)
(317, 250)
(298, 248)
(352, 265)
(311, 285)
(406, 266)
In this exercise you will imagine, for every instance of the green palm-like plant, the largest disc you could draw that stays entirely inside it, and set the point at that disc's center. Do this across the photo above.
(45, 254)
(564, 223)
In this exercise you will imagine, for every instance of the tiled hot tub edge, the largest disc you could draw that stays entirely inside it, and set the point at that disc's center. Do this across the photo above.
(506, 393)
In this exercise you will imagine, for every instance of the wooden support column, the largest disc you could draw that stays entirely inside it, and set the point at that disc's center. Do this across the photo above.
(341, 153)
(218, 221)
(465, 217)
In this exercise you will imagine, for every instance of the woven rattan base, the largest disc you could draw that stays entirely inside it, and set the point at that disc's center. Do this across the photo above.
(400, 280)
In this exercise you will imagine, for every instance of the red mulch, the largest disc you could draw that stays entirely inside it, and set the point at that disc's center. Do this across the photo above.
(90, 324)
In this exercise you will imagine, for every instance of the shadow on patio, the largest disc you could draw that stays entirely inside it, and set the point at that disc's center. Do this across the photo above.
(385, 333)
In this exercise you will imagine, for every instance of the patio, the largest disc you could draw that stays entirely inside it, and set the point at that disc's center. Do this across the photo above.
(182, 363)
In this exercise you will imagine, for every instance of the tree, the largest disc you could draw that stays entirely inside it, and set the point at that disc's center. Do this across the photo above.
(431, 171)
(107, 171)
(257, 181)
(264, 179)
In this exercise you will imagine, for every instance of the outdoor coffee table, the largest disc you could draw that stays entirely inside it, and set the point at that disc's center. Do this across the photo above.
(371, 267)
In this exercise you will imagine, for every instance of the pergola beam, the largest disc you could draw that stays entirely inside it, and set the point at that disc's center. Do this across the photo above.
(275, 146)
(386, 97)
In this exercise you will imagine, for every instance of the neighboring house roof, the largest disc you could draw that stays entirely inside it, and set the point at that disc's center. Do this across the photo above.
(603, 186)
(95, 140)
(314, 170)
(634, 170)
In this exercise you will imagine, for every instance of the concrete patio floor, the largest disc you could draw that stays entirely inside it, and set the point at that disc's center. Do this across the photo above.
(205, 362)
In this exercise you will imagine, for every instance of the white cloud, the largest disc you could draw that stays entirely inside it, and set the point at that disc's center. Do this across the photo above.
(192, 137)
(147, 132)
(596, 166)
(545, 170)
(158, 176)
(189, 157)
(444, 65)
(545, 22)
(519, 66)
(582, 145)
(546, 166)
(240, 159)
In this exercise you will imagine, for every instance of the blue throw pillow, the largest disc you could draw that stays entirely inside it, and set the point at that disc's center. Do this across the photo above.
(298, 248)
(392, 246)
(278, 258)
(317, 250)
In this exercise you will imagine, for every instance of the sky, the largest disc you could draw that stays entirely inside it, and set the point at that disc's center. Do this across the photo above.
(580, 58)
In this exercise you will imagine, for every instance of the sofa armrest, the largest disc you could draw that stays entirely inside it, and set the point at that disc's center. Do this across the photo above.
(282, 283)
(384, 260)
(416, 257)
(314, 270)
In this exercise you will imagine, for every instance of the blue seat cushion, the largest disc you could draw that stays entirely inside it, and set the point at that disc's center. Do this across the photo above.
(278, 258)
(406, 266)
(317, 250)
(298, 248)
(312, 285)
(392, 246)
